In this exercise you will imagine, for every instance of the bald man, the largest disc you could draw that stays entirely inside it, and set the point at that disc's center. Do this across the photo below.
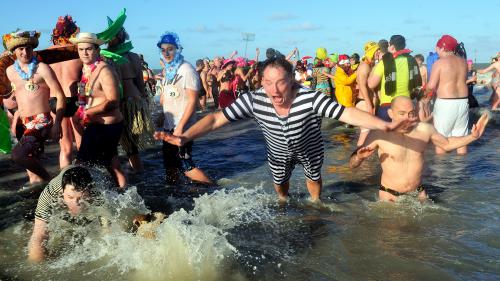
(401, 152)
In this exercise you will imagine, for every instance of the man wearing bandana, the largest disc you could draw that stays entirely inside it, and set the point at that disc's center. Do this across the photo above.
(448, 79)
(32, 82)
(179, 97)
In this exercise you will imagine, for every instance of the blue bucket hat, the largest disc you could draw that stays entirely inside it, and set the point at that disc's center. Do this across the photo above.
(169, 38)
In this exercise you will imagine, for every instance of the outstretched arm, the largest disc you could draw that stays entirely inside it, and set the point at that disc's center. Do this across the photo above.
(209, 123)
(36, 250)
(452, 143)
(489, 68)
(360, 118)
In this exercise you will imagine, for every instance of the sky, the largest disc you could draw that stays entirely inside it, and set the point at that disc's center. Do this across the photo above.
(214, 28)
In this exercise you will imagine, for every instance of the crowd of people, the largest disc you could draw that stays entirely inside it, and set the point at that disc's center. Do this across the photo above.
(101, 100)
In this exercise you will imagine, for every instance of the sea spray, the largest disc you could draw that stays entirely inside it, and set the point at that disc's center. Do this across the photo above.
(189, 245)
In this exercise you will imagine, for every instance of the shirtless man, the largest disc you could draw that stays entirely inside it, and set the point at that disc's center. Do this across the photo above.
(68, 75)
(366, 95)
(212, 80)
(495, 96)
(401, 152)
(451, 108)
(100, 115)
(32, 83)
(202, 69)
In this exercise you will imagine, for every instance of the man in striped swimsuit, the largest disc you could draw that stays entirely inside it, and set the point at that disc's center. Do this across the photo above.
(290, 119)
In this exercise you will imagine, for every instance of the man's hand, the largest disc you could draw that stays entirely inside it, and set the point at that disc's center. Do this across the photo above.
(56, 132)
(478, 128)
(396, 125)
(364, 152)
(175, 140)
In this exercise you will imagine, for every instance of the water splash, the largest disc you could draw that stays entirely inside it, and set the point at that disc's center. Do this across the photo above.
(189, 245)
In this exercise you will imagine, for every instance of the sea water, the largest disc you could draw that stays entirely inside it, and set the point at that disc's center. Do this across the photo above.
(239, 231)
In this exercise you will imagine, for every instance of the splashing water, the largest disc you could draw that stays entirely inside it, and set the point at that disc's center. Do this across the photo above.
(189, 245)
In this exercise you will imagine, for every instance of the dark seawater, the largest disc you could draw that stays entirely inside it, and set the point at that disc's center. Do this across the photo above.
(240, 232)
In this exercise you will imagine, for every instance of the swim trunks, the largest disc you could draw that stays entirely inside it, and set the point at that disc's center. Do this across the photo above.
(420, 188)
(36, 131)
(175, 157)
(451, 116)
(100, 143)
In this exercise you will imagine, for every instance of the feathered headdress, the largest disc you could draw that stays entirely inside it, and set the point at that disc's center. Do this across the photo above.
(65, 28)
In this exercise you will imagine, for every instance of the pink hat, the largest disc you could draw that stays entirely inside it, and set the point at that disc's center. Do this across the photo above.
(343, 59)
(228, 61)
(469, 62)
(241, 62)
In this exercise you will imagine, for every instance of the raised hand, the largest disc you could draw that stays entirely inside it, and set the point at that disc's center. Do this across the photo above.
(478, 128)
(365, 152)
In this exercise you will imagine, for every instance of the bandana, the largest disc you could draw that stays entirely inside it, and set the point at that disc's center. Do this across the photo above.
(448, 43)
(172, 67)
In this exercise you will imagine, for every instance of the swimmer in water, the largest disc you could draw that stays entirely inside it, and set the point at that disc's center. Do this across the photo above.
(401, 152)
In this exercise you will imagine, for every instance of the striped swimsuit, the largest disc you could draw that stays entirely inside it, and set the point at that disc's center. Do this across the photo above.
(293, 139)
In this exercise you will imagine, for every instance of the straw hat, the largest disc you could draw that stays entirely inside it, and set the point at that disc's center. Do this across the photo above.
(86, 37)
(20, 38)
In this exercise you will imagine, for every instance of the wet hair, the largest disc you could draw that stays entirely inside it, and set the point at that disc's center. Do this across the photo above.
(272, 53)
(420, 57)
(398, 41)
(277, 62)
(383, 45)
(79, 177)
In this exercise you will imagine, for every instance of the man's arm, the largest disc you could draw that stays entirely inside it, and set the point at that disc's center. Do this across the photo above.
(493, 66)
(364, 151)
(36, 248)
(452, 143)
(290, 55)
(139, 80)
(374, 78)
(362, 77)
(189, 110)
(360, 118)
(109, 84)
(434, 79)
(209, 123)
(55, 88)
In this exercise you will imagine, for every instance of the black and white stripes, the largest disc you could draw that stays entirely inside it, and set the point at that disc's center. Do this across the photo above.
(292, 139)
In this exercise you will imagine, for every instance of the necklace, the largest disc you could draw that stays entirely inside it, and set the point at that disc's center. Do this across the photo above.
(84, 87)
(30, 85)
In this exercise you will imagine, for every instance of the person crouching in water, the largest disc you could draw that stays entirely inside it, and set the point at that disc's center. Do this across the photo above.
(72, 186)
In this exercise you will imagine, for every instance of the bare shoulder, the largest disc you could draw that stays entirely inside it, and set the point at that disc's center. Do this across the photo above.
(364, 69)
(424, 127)
(44, 69)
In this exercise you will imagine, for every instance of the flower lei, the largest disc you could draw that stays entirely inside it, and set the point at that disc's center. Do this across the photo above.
(31, 69)
(172, 67)
(84, 89)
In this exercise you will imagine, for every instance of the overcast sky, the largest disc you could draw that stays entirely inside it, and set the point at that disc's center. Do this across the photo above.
(209, 28)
